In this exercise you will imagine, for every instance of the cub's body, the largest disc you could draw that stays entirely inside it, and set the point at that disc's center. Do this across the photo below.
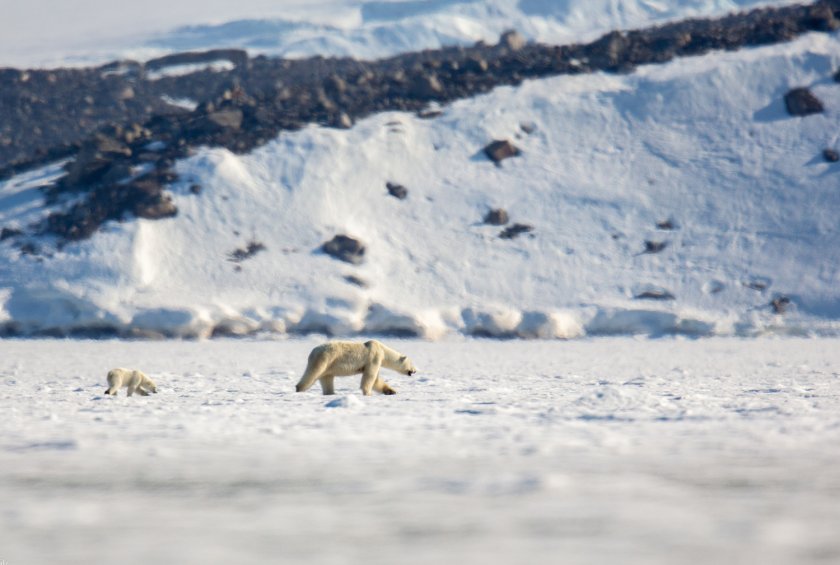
(131, 380)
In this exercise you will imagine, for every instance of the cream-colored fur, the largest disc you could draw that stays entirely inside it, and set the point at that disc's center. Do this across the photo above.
(132, 380)
(345, 358)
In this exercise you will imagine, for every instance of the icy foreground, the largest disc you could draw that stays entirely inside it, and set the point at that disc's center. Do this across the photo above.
(595, 451)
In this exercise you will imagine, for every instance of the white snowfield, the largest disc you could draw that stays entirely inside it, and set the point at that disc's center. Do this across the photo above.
(613, 450)
(703, 143)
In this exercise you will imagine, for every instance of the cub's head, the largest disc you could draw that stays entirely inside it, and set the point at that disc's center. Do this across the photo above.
(406, 366)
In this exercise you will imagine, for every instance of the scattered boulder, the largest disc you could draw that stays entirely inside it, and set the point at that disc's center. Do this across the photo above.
(228, 118)
(831, 155)
(655, 294)
(654, 246)
(512, 40)
(802, 102)
(195, 189)
(239, 255)
(345, 248)
(97, 156)
(666, 225)
(515, 230)
(429, 114)
(356, 281)
(397, 190)
(757, 283)
(7, 233)
(426, 86)
(498, 150)
(528, 127)
(496, 217)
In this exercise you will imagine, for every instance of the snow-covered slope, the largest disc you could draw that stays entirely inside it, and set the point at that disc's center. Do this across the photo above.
(703, 142)
(46, 33)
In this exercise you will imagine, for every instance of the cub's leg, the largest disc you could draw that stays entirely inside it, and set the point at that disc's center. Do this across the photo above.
(328, 384)
(142, 392)
(314, 370)
(131, 389)
(383, 387)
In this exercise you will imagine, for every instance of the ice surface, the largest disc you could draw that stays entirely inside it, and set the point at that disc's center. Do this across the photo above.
(592, 451)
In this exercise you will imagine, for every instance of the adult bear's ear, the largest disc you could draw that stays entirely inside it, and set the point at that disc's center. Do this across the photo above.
(402, 359)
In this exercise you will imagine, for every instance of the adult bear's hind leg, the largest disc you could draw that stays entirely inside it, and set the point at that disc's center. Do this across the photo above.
(327, 384)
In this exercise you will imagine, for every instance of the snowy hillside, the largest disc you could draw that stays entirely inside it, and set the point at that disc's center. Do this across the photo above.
(701, 147)
(679, 198)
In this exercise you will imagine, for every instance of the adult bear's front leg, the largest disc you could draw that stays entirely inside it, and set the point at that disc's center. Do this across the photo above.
(383, 387)
(369, 376)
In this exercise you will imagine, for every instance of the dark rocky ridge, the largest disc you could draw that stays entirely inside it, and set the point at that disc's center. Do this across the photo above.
(111, 120)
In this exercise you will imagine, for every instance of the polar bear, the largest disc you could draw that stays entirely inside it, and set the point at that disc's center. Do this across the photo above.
(132, 380)
(345, 358)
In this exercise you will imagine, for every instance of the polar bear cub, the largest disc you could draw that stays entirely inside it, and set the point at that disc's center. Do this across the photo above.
(345, 358)
(132, 380)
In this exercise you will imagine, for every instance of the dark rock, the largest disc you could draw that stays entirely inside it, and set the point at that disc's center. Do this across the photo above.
(156, 208)
(655, 294)
(496, 217)
(802, 102)
(477, 65)
(426, 86)
(512, 40)
(831, 155)
(528, 127)
(666, 225)
(760, 284)
(230, 118)
(499, 150)
(238, 57)
(195, 189)
(29, 248)
(342, 121)
(7, 233)
(655, 246)
(345, 248)
(240, 254)
(429, 114)
(606, 53)
(515, 230)
(780, 304)
(821, 17)
(356, 281)
(397, 190)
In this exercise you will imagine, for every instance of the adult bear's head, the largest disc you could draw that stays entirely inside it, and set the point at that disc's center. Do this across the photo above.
(406, 366)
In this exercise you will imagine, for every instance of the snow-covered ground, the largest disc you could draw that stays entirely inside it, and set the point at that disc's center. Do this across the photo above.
(83, 32)
(703, 143)
(614, 450)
